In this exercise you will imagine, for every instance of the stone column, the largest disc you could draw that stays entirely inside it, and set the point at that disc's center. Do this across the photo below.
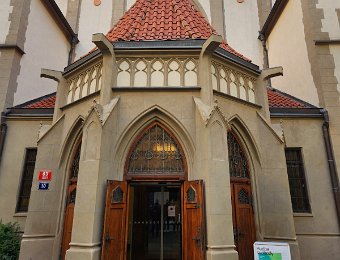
(95, 168)
(88, 211)
(213, 167)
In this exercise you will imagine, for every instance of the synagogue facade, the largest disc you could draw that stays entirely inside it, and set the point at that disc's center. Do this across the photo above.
(164, 142)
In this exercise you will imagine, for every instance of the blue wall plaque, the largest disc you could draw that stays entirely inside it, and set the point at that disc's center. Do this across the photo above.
(43, 186)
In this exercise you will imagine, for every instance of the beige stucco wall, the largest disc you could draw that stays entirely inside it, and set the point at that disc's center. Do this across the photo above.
(5, 10)
(319, 229)
(287, 48)
(205, 4)
(21, 134)
(46, 47)
(62, 4)
(100, 22)
(242, 27)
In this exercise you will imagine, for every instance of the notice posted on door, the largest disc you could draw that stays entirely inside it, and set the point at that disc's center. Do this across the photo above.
(271, 251)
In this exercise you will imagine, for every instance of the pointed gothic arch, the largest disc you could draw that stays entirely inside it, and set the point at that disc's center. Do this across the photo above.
(71, 193)
(241, 197)
(247, 141)
(238, 162)
(155, 153)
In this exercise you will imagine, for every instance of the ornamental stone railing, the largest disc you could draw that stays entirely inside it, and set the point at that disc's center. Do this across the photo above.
(85, 83)
(157, 72)
(232, 82)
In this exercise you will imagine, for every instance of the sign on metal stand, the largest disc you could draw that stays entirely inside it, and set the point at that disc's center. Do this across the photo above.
(271, 251)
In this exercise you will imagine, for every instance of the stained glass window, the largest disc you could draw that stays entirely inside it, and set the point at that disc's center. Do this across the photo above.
(117, 195)
(191, 195)
(156, 152)
(238, 165)
(243, 197)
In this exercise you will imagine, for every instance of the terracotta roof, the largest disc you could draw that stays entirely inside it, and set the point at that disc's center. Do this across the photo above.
(280, 99)
(161, 20)
(47, 101)
(276, 98)
(164, 20)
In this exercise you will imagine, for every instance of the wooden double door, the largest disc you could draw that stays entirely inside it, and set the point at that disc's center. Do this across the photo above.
(243, 219)
(148, 221)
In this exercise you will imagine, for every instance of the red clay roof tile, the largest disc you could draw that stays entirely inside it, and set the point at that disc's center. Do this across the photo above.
(163, 20)
(279, 99)
(47, 101)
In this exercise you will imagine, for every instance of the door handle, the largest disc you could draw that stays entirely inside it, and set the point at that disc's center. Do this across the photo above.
(108, 238)
(238, 234)
(198, 238)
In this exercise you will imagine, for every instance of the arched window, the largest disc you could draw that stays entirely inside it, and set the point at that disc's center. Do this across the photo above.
(238, 165)
(155, 152)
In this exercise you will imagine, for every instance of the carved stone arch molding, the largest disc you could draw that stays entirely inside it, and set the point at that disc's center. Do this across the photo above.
(240, 128)
(71, 137)
(136, 126)
(69, 148)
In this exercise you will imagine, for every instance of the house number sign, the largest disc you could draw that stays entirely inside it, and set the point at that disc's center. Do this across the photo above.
(44, 177)
(43, 186)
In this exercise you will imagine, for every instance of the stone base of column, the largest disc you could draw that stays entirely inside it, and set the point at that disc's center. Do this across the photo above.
(222, 253)
(83, 253)
(39, 248)
(294, 250)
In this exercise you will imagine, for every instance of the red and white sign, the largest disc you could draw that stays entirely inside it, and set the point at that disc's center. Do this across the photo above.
(45, 175)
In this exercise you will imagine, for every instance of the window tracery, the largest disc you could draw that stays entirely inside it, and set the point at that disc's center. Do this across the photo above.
(156, 152)
(232, 82)
(238, 166)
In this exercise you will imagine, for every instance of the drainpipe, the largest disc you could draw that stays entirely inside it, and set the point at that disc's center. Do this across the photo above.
(331, 162)
(3, 131)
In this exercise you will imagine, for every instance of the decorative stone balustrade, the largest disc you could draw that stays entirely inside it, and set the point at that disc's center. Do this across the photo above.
(232, 82)
(157, 72)
(85, 83)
